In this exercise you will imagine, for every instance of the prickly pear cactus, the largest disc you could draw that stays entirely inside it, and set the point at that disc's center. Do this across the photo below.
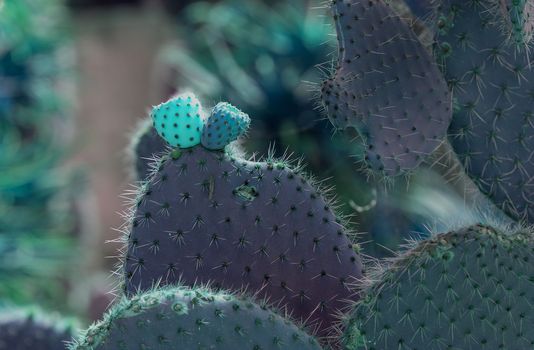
(145, 148)
(386, 86)
(421, 8)
(179, 121)
(213, 217)
(493, 121)
(31, 330)
(225, 124)
(192, 319)
(470, 289)
(518, 21)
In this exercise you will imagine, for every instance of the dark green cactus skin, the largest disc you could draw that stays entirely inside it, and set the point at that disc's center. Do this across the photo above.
(23, 331)
(386, 86)
(192, 319)
(421, 8)
(493, 122)
(518, 20)
(207, 217)
(470, 289)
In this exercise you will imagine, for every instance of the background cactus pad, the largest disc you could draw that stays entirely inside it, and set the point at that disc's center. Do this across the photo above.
(470, 289)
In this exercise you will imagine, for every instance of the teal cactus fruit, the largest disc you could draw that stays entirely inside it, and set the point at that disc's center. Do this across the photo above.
(469, 289)
(32, 330)
(191, 319)
(493, 122)
(518, 20)
(179, 121)
(225, 124)
(215, 217)
(387, 87)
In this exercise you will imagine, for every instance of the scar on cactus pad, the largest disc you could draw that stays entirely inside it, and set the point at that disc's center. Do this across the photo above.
(386, 86)
(191, 319)
(209, 216)
(469, 289)
(181, 123)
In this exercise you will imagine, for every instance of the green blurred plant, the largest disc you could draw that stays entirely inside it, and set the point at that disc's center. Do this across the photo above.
(34, 220)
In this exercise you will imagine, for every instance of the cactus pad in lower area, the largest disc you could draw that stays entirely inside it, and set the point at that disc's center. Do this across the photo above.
(470, 289)
(386, 86)
(192, 319)
(31, 330)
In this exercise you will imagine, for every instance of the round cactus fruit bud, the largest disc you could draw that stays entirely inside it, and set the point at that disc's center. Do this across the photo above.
(225, 124)
(191, 319)
(179, 121)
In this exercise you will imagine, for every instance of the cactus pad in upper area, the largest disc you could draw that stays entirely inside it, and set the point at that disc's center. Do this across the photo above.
(386, 86)
(493, 124)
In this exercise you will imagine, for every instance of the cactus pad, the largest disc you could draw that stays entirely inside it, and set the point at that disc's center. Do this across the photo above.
(179, 121)
(470, 289)
(191, 319)
(225, 124)
(493, 89)
(386, 86)
(518, 20)
(23, 330)
(422, 9)
(146, 146)
(208, 217)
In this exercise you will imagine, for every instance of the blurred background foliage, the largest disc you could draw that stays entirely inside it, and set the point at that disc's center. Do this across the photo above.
(266, 57)
(36, 222)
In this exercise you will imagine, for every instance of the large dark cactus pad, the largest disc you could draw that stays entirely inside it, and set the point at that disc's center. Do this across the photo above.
(493, 124)
(386, 86)
(192, 319)
(20, 330)
(207, 217)
(470, 289)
